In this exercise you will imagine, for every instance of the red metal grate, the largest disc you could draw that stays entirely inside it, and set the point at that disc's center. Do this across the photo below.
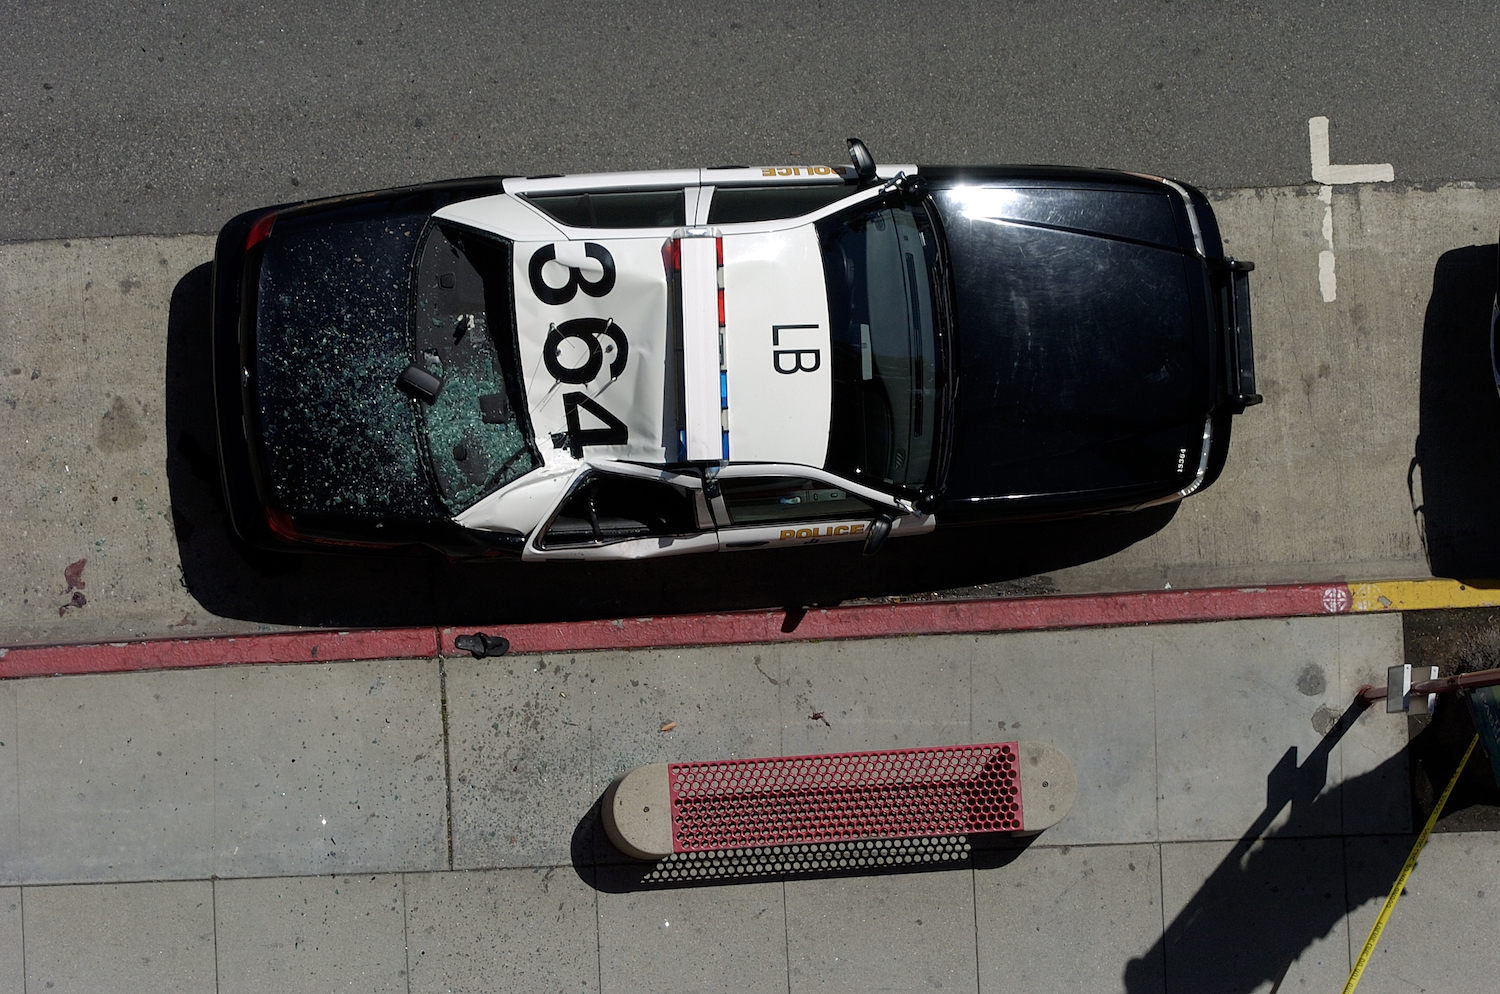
(899, 794)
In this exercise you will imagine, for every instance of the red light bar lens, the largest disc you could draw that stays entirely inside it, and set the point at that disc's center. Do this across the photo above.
(671, 256)
(719, 250)
(259, 231)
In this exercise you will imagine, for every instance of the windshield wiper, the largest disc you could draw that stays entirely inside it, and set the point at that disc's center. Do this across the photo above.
(947, 381)
(914, 340)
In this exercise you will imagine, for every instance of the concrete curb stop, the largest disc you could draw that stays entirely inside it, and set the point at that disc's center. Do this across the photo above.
(637, 813)
(1049, 786)
(1022, 788)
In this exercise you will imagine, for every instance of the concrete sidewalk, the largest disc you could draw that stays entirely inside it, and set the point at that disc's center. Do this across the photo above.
(423, 825)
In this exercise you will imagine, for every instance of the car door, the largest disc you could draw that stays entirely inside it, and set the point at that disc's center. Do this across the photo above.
(770, 510)
(625, 512)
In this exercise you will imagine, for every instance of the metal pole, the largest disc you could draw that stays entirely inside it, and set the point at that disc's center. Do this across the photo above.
(1369, 694)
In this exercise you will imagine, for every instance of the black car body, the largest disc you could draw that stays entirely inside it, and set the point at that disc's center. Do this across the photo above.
(1078, 344)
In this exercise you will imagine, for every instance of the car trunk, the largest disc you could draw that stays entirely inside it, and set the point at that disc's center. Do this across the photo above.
(332, 336)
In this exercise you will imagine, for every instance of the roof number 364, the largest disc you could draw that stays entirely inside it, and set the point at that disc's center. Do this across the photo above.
(589, 331)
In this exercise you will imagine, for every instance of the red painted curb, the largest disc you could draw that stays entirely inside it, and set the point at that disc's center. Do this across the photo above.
(947, 617)
(279, 647)
(864, 621)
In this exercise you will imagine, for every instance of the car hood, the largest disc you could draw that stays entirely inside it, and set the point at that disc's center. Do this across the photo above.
(1082, 362)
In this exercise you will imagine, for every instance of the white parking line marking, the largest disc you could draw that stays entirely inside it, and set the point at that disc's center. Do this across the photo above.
(1317, 133)
(1328, 176)
(1328, 282)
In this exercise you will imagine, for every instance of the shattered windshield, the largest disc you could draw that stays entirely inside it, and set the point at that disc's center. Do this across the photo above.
(477, 434)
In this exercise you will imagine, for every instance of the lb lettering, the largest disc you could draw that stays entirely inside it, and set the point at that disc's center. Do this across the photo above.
(789, 361)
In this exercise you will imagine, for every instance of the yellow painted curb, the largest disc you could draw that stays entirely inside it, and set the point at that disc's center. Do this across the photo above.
(1420, 595)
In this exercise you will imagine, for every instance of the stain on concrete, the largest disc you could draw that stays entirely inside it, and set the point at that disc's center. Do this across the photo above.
(73, 574)
(130, 283)
(119, 431)
(1312, 680)
(1324, 719)
(772, 680)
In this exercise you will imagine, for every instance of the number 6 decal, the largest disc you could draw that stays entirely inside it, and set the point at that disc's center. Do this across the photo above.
(588, 331)
(562, 294)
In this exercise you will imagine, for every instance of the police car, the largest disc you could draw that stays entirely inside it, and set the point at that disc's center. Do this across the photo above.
(636, 364)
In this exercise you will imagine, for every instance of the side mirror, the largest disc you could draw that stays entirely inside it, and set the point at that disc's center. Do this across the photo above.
(864, 162)
(880, 530)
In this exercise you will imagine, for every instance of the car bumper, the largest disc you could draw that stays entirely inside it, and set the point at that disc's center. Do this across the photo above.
(234, 278)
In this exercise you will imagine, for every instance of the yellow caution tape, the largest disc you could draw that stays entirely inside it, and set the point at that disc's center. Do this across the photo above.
(1401, 878)
(1420, 595)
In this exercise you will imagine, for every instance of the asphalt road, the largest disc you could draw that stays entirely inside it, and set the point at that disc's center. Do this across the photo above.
(169, 117)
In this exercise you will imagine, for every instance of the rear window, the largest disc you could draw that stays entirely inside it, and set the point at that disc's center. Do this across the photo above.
(338, 436)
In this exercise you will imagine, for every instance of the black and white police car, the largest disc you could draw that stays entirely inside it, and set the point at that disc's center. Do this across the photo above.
(625, 365)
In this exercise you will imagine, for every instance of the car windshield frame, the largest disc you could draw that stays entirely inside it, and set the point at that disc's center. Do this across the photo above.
(869, 402)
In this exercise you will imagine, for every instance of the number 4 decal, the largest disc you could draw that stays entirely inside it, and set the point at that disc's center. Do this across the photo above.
(615, 432)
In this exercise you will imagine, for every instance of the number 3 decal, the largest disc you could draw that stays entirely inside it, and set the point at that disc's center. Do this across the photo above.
(562, 294)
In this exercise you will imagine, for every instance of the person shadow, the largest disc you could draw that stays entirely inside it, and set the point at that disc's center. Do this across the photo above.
(1278, 891)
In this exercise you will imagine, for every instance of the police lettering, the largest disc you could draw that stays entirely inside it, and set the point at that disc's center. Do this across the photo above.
(827, 531)
(797, 171)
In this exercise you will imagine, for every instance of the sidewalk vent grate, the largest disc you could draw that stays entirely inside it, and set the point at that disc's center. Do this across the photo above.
(898, 794)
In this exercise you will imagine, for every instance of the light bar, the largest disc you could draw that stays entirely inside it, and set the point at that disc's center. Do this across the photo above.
(701, 351)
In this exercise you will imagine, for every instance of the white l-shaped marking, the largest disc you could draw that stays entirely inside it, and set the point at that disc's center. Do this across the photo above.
(1322, 172)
